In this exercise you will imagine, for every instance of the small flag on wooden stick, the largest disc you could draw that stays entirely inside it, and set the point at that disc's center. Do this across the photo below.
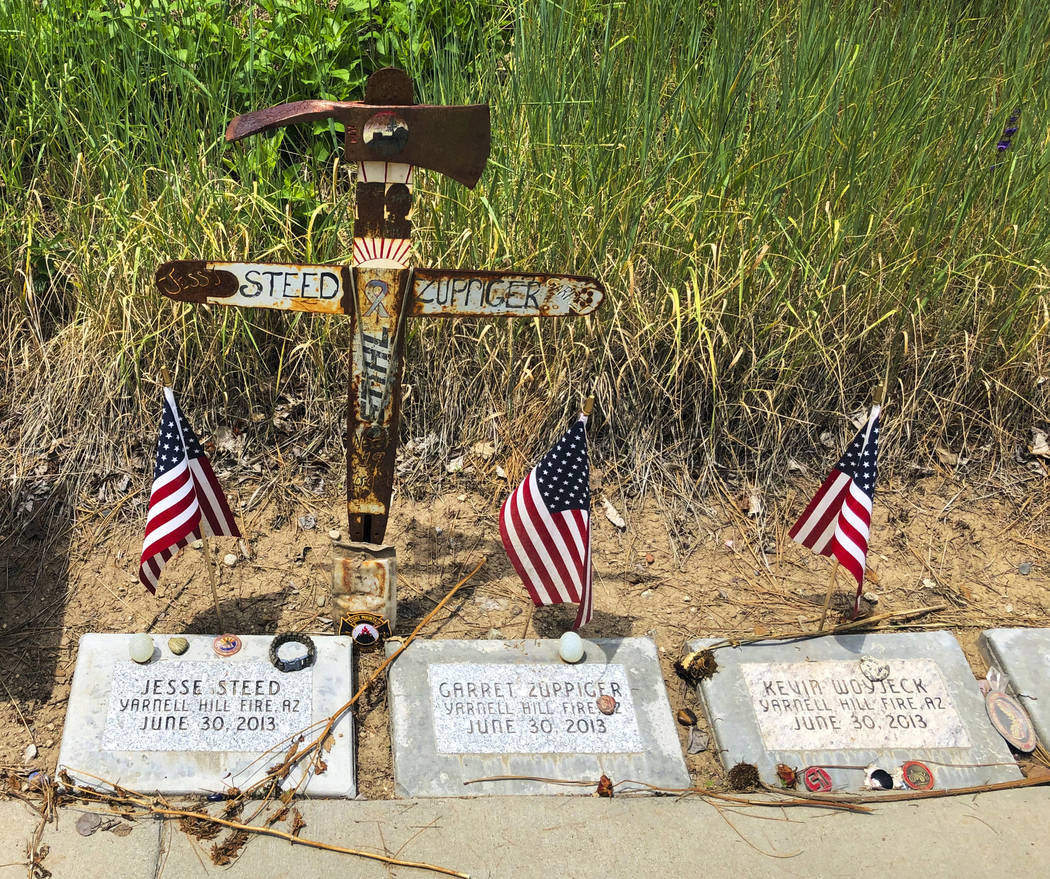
(545, 525)
(837, 521)
(186, 501)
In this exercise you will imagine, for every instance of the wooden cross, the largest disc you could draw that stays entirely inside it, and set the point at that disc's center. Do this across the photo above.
(388, 135)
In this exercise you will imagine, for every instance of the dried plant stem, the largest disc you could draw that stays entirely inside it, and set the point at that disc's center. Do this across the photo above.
(315, 747)
(683, 791)
(211, 579)
(168, 812)
(800, 635)
(832, 581)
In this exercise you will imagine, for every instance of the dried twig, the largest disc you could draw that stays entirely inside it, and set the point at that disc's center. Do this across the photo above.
(127, 797)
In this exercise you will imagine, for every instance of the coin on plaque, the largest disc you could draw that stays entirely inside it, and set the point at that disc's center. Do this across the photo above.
(917, 775)
(816, 779)
(226, 645)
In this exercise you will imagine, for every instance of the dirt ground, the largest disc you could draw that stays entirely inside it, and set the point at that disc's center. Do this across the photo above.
(728, 569)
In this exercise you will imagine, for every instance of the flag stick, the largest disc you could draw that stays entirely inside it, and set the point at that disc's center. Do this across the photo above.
(832, 581)
(211, 579)
(588, 406)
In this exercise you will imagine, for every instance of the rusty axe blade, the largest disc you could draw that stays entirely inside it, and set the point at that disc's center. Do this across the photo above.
(453, 141)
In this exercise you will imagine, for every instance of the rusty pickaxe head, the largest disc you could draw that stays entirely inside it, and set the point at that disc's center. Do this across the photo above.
(389, 127)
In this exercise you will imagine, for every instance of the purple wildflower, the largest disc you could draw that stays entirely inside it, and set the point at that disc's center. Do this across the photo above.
(1009, 131)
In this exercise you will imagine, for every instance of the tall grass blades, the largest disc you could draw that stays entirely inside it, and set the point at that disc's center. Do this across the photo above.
(781, 198)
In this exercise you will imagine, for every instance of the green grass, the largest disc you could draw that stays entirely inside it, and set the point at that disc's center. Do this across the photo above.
(780, 197)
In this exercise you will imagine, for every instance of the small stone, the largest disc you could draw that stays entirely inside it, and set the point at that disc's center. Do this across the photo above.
(871, 597)
(178, 645)
(29, 753)
(320, 600)
(1024, 569)
(122, 829)
(198, 544)
(647, 593)
(88, 823)
(461, 497)
(308, 522)
(335, 534)
(229, 560)
(140, 648)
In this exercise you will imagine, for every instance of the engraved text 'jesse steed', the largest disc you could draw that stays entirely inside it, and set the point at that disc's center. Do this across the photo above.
(432, 292)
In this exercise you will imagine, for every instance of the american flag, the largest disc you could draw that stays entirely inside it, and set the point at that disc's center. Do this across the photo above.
(545, 526)
(186, 502)
(838, 520)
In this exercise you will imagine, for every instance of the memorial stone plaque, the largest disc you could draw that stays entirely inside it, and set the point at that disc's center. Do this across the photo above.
(1023, 656)
(461, 710)
(199, 722)
(815, 703)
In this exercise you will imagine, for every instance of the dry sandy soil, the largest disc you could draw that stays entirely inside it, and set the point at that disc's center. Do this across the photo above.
(980, 548)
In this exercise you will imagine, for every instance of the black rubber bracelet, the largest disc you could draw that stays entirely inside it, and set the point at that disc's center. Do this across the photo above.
(300, 662)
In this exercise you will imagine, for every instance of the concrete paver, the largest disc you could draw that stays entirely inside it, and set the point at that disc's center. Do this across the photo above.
(524, 837)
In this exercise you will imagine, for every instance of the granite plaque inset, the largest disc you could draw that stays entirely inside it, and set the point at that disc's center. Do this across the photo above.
(199, 722)
(1023, 656)
(461, 710)
(812, 703)
(531, 709)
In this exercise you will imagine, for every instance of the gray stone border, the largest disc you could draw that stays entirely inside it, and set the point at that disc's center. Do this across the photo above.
(728, 707)
(420, 771)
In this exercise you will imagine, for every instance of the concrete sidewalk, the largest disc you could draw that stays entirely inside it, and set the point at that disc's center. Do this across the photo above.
(999, 834)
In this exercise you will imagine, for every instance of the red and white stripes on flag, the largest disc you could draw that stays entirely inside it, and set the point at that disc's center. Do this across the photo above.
(545, 526)
(838, 520)
(186, 502)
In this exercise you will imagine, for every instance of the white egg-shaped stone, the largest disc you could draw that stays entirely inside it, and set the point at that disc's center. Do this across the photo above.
(140, 647)
(570, 647)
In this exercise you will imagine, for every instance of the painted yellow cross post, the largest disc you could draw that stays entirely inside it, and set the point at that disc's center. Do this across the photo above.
(388, 135)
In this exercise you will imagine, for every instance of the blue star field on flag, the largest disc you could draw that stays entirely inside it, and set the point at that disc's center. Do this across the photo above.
(563, 474)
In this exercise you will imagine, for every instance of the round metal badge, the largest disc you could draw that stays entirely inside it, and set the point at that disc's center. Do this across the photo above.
(226, 645)
(917, 775)
(816, 780)
(1011, 720)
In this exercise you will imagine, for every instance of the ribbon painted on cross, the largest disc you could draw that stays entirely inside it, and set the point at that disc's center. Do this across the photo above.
(376, 292)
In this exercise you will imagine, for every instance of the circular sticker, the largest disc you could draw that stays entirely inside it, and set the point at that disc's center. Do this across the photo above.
(816, 780)
(1011, 720)
(917, 775)
(364, 634)
(226, 645)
